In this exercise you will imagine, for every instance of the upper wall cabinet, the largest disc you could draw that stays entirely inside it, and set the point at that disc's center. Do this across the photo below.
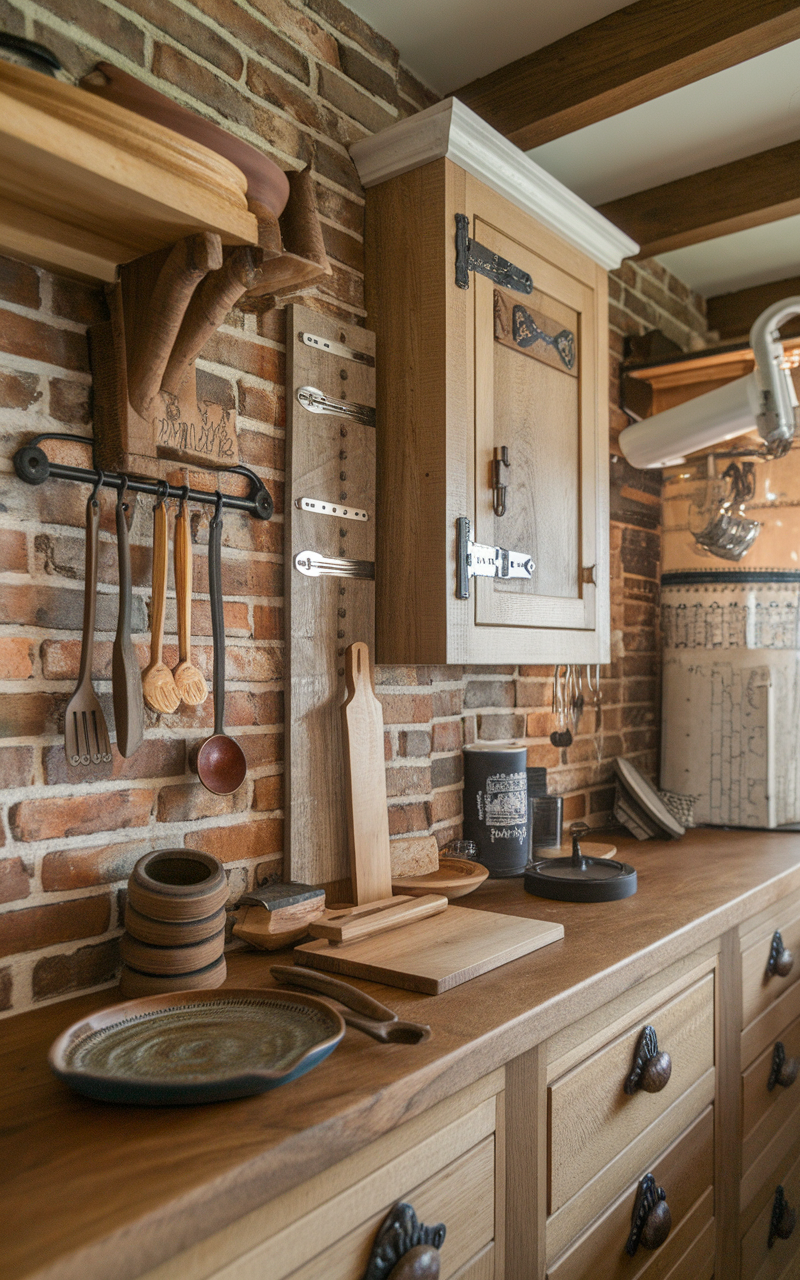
(487, 289)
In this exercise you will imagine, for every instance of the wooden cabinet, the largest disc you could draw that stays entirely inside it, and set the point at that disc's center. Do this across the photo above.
(447, 1163)
(487, 290)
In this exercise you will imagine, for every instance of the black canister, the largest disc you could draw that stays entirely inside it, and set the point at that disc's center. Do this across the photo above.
(496, 805)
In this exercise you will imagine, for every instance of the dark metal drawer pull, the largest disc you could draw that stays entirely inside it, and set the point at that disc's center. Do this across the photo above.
(400, 1233)
(651, 1219)
(781, 960)
(652, 1067)
(783, 1219)
(784, 1070)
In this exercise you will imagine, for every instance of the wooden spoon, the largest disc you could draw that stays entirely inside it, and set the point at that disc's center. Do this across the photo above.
(189, 681)
(158, 682)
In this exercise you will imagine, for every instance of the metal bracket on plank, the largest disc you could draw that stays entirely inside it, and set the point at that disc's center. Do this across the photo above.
(329, 509)
(314, 565)
(336, 349)
(316, 401)
(476, 560)
(471, 256)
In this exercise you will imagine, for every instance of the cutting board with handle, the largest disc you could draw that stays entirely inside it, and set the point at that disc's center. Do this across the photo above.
(436, 954)
(365, 782)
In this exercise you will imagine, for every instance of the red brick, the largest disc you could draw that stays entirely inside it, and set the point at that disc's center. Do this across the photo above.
(445, 770)
(300, 29)
(343, 247)
(419, 94)
(26, 715)
(405, 708)
(268, 622)
(408, 780)
(6, 986)
(447, 702)
(262, 748)
(337, 167)
(341, 209)
(574, 808)
(543, 755)
(489, 693)
(414, 743)
(16, 658)
(45, 926)
(446, 804)
(84, 868)
(16, 767)
(244, 707)
(19, 283)
(70, 402)
(13, 552)
(257, 449)
(447, 736)
(242, 576)
(350, 24)
(18, 390)
(268, 792)
(155, 758)
(306, 108)
(189, 801)
(36, 340)
(104, 24)
(74, 300)
(60, 608)
(256, 838)
(408, 818)
(15, 880)
(44, 819)
(185, 30)
(501, 727)
(87, 967)
(347, 97)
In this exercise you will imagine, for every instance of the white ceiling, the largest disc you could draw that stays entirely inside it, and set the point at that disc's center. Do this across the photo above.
(735, 113)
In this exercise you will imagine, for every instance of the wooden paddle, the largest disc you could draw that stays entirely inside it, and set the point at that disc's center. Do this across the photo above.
(365, 782)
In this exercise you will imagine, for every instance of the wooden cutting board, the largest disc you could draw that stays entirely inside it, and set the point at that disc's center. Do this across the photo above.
(436, 954)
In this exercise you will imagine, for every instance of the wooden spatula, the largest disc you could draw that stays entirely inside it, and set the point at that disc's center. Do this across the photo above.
(365, 782)
(158, 682)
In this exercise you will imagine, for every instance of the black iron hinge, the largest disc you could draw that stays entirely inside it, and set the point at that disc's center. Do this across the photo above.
(471, 256)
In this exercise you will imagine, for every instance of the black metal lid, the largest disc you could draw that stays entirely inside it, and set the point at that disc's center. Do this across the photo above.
(29, 54)
(579, 878)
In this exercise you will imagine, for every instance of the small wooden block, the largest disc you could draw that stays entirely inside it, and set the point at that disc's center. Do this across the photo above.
(436, 954)
(352, 923)
(276, 915)
(414, 856)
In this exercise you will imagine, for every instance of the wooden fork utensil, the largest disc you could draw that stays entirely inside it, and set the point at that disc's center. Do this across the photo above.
(158, 682)
(189, 681)
(85, 730)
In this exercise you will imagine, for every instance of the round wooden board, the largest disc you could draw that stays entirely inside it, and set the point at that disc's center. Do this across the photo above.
(455, 878)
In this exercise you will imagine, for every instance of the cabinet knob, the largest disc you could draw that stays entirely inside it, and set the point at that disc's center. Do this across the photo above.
(651, 1219)
(783, 1219)
(784, 1070)
(499, 461)
(404, 1248)
(652, 1067)
(781, 960)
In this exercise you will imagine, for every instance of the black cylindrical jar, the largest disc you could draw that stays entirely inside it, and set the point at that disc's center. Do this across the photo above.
(496, 805)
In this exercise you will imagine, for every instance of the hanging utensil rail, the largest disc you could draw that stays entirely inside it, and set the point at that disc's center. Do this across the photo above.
(33, 466)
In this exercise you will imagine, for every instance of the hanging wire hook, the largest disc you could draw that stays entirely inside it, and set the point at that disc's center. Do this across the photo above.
(101, 475)
(163, 494)
(184, 498)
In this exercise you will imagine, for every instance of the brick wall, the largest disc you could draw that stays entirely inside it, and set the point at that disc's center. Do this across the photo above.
(303, 81)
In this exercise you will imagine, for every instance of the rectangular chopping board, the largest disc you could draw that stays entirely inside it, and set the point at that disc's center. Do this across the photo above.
(436, 954)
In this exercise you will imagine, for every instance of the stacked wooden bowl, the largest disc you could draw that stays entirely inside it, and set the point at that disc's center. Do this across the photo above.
(174, 924)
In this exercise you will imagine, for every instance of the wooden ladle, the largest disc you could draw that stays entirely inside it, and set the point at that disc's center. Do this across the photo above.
(189, 681)
(158, 682)
(221, 764)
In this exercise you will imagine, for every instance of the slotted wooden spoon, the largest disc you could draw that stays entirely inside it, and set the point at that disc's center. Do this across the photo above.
(189, 681)
(158, 682)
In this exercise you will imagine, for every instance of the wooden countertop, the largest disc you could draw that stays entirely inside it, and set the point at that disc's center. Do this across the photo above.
(92, 1190)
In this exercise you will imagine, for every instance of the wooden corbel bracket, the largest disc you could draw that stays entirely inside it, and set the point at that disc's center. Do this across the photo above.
(163, 310)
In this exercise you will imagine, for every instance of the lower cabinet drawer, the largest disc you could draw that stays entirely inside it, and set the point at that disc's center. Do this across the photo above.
(759, 988)
(686, 1172)
(765, 1110)
(781, 1259)
(442, 1162)
(591, 1116)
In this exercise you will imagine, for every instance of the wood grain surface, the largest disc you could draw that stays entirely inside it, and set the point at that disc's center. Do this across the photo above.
(92, 1189)
(365, 781)
(326, 614)
(435, 954)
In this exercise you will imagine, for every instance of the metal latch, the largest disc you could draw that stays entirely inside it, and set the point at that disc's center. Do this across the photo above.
(314, 565)
(475, 560)
(336, 348)
(471, 256)
(336, 509)
(316, 401)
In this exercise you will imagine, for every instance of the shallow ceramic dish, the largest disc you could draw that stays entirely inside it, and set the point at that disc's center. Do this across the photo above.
(196, 1046)
(455, 878)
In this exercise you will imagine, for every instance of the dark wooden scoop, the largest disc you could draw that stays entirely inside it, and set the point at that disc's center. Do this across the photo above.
(221, 764)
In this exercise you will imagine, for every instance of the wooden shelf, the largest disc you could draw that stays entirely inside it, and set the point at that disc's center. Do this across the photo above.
(86, 185)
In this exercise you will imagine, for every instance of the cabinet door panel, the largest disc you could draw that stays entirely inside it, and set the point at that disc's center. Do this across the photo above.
(534, 368)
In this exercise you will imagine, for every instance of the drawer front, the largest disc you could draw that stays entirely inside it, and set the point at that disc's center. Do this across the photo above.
(759, 989)
(686, 1172)
(592, 1119)
(461, 1196)
(766, 1029)
(759, 1261)
(765, 1111)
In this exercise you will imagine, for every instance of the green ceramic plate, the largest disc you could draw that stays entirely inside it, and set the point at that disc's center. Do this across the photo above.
(196, 1046)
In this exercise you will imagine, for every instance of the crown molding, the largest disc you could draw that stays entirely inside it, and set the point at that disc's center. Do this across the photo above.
(449, 130)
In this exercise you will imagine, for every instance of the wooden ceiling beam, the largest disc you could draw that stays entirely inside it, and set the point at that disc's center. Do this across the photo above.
(732, 314)
(631, 56)
(745, 193)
